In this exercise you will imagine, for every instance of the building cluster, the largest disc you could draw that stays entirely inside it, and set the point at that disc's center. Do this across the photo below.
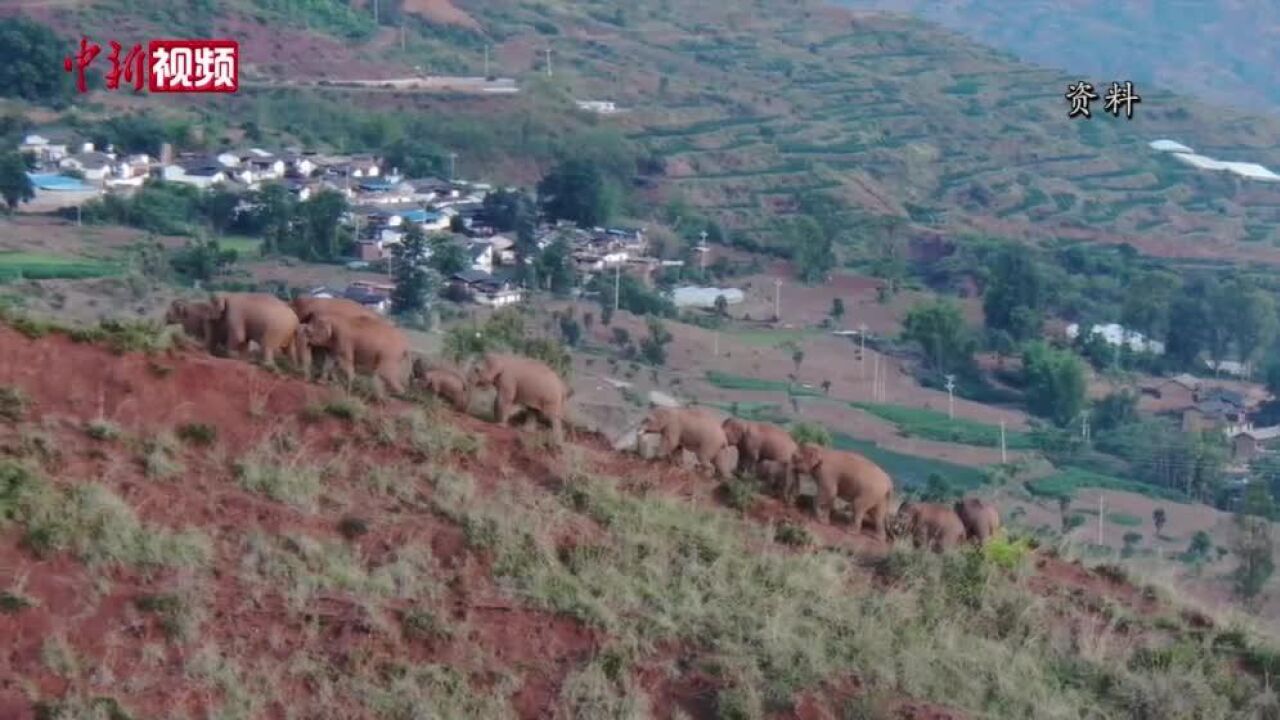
(384, 205)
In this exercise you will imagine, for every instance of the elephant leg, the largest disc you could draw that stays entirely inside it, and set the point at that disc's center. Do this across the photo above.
(879, 515)
(859, 514)
(503, 406)
(790, 485)
(824, 500)
(670, 443)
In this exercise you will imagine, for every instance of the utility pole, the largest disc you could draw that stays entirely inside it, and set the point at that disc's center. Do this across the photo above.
(777, 299)
(702, 250)
(402, 35)
(875, 379)
(78, 221)
(1101, 514)
(486, 62)
(951, 398)
(453, 157)
(617, 284)
(1004, 458)
(862, 350)
(548, 52)
(716, 351)
(375, 12)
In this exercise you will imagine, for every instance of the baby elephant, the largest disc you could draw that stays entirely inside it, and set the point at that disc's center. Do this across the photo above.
(933, 525)
(444, 384)
(200, 321)
(981, 519)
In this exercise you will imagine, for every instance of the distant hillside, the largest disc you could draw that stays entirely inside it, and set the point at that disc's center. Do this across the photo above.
(1219, 51)
(755, 112)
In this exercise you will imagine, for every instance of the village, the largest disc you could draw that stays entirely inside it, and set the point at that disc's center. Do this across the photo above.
(383, 205)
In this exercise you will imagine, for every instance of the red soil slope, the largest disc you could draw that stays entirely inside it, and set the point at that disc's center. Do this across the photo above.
(123, 653)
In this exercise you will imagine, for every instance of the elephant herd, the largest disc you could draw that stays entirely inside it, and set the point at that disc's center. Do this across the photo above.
(774, 456)
(356, 339)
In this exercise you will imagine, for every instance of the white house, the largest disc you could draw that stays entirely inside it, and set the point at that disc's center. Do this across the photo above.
(93, 165)
(133, 166)
(481, 256)
(202, 175)
(300, 164)
(44, 149)
(227, 159)
(264, 165)
(1116, 335)
(602, 107)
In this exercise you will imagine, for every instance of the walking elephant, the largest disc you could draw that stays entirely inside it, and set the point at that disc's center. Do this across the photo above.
(694, 429)
(851, 477)
(981, 519)
(199, 321)
(365, 344)
(523, 382)
(258, 317)
(760, 442)
(931, 525)
(309, 307)
(443, 383)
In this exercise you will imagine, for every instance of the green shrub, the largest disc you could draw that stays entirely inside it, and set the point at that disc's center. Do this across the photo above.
(197, 433)
(13, 404)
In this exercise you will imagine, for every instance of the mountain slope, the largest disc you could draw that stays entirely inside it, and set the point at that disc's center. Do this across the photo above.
(751, 108)
(1219, 51)
(184, 534)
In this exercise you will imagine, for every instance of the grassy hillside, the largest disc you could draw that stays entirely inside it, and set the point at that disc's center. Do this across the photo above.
(1214, 50)
(752, 106)
(248, 553)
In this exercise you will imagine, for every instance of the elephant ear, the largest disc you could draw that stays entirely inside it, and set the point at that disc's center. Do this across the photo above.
(219, 304)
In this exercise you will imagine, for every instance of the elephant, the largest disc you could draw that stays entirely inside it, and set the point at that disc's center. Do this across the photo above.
(522, 381)
(444, 383)
(308, 307)
(776, 474)
(931, 524)
(364, 343)
(864, 485)
(981, 519)
(199, 320)
(258, 317)
(758, 442)
(693, 429)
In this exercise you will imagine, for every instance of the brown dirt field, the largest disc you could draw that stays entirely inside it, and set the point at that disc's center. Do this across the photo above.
(70, 384)
(93, 610)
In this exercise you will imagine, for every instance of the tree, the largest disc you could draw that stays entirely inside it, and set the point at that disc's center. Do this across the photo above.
(447, 257)
(555, 267)
(888, 251)
(30, 57)
(576, 190)
(1250, 319)
(1015, 296)
(202, 259)
(570, 330)
(1253, 544)
(271, 216)
(413, 284)
(220, 207)
(15, 184)
(1189, 318)
(812, 252)
(653, 349)
(1200, 545)
(797, 357)
(1146, 305)
(1115, 410)
(317, 235)
(1159, 518)
(1054, 380)
(507, 210)
(722, 306)
(1131, 540)
(826, 387)
(803, 432)
(938, 328)
(837, 309)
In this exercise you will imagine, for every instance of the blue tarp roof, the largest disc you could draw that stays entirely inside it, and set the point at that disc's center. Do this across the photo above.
(57, 182)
